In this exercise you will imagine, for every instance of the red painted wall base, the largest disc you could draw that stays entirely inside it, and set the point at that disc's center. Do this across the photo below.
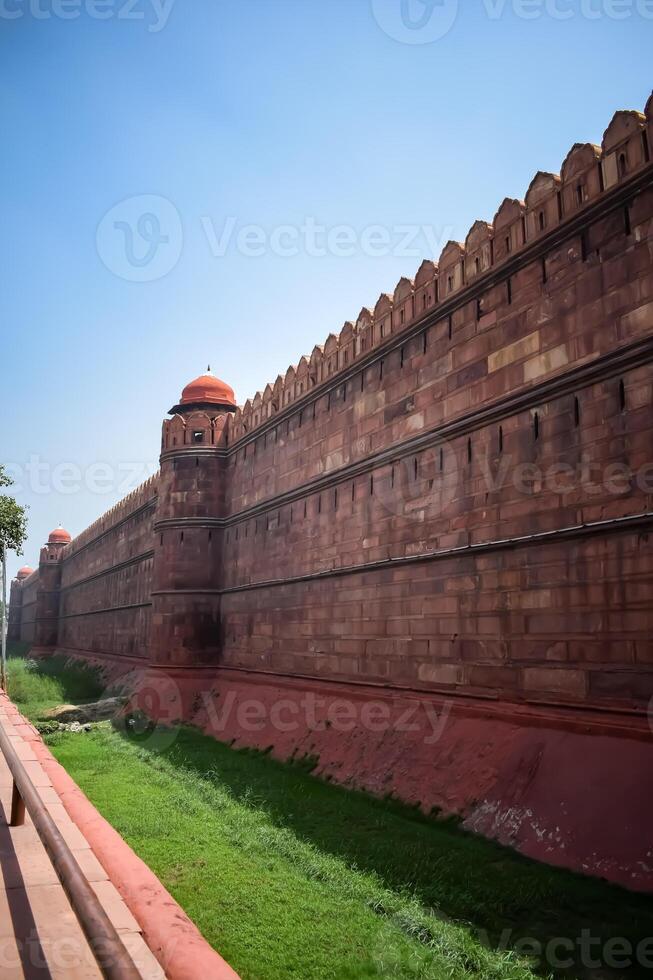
(565, 786)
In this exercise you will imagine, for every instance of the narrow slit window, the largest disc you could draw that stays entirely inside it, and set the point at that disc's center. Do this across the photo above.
(576, 412)
(469, 450)
(536, 426)
(622, 395)
(500, 438)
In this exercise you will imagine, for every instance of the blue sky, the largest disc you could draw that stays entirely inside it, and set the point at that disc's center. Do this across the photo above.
(232, 126)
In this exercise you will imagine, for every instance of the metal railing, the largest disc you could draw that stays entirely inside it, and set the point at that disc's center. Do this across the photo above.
(106, 945)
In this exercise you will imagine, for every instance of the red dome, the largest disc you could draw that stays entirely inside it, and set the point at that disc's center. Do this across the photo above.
(59, 536)
(207, 390)
(24, 572)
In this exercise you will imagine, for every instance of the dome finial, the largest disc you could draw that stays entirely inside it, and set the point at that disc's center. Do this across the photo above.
(204, 391)
(59, 536)
(208, 370)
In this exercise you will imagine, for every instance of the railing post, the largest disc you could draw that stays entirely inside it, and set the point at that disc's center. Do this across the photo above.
(17, 808)
(106, 943)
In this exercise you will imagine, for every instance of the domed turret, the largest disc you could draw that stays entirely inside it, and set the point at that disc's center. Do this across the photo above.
(24, 573)
(59, 536)
(205, 392)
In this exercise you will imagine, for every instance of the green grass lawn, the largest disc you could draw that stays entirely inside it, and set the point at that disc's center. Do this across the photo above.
(289, 876)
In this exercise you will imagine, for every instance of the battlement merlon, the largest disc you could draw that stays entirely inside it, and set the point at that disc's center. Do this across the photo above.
(587, 173)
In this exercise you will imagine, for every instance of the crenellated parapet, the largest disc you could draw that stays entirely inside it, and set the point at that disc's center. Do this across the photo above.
(587, 172)
(132, 502)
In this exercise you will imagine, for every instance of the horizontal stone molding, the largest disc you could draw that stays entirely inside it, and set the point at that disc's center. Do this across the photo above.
(208, 523)
(187, 592)
(107, 609)
(111, 570)
(193, 451)
(632, 523)
(548, 713)
(149, 504)
(602, 368)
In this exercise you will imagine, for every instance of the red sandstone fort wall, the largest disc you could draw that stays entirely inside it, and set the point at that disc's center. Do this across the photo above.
(27, 610)
(450, 494)
(107, 581)
(451, 497)
(507, 393)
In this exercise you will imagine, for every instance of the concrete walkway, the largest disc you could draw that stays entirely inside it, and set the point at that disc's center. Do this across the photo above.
(40, 937)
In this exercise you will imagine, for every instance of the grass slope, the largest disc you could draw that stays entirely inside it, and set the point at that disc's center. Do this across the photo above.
(288, 876)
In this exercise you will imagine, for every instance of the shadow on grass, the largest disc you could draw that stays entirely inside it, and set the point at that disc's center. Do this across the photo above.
(502, 896)
(69, 681)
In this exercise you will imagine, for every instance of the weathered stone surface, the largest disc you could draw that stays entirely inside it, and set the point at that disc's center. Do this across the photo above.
(318, 529)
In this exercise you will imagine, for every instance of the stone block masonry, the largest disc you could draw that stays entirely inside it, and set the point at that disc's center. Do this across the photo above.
(451, 497)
